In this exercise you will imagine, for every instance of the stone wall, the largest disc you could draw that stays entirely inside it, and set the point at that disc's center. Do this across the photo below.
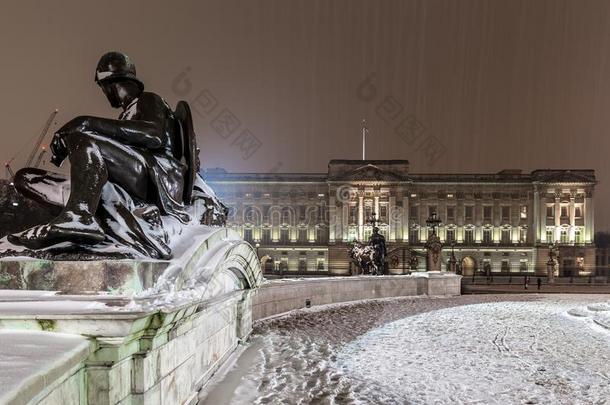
(281, 296)
(146, 358)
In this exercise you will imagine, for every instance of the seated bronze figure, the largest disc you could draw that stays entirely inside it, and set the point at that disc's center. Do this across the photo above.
(126, 174)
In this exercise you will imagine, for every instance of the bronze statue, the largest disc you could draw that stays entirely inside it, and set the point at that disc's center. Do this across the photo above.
(370, 258)
(125, 174)
(433, 245)
(377, 242)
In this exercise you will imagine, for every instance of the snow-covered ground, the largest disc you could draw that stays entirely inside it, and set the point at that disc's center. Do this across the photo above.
(510, 352)
(550, 349)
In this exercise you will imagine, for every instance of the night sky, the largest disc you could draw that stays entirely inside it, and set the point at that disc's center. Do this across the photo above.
(453, 86)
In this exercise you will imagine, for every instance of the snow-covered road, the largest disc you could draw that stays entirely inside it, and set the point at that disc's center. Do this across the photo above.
(470, 349)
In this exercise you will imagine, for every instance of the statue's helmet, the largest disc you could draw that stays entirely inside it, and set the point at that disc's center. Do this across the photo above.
(116, 66)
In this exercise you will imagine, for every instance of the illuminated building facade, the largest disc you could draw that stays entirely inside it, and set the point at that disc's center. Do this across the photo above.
(499, 223)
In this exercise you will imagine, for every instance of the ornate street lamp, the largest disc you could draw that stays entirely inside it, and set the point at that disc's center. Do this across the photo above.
(433, 222)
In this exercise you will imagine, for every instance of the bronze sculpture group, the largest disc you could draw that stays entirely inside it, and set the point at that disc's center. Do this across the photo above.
(371, 258)
(128, 176)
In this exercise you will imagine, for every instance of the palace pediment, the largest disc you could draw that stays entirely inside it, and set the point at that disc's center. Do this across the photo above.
(564, 176)
(358, 170)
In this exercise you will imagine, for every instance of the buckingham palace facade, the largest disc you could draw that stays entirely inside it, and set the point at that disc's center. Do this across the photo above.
(502, 223)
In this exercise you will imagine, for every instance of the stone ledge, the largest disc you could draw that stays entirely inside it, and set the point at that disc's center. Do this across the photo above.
(280, 296)
(40, 361)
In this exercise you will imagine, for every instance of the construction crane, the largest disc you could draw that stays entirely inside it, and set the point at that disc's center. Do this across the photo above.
(43, 133)
(10, 174)
(38, 161)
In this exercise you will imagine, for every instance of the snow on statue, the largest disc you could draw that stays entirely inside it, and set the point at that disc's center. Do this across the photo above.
(133, 184)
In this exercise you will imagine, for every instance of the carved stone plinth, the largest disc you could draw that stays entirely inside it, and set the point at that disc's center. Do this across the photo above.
(433, 253)
(129, 276)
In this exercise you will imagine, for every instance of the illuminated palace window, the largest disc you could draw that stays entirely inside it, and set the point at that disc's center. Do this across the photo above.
(383, 229)
(578, 236)
(302, 235)
(550, 211)
(550, 237)
(383, 213)
(352, 233)
(450, 235)
(523, 235)
(505, 236)
(284, 236)
(505, 265)
(320, 264)
(564, 236)
(578, 211)
(523, 265)
(321, 235)
(353, 214)
(564, 211)
(469, 236)
(523, 212)
(368, 231)
(487, 235)
(266, 236)
(413, 235)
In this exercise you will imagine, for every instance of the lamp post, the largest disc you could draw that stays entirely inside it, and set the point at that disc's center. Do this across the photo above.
(258, 256)
(550, 265)
(452, 259)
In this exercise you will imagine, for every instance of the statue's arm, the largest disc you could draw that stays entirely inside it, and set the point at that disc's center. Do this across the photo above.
(145, 130)
(146, 134)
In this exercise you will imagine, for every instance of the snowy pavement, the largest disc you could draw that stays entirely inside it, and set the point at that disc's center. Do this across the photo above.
(516, 349)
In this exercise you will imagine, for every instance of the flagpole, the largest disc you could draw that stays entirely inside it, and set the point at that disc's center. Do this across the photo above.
(364, 139)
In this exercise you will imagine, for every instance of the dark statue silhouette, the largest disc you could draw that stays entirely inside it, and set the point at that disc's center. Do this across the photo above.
(370, 258)
(377, 242)
(126, 174)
